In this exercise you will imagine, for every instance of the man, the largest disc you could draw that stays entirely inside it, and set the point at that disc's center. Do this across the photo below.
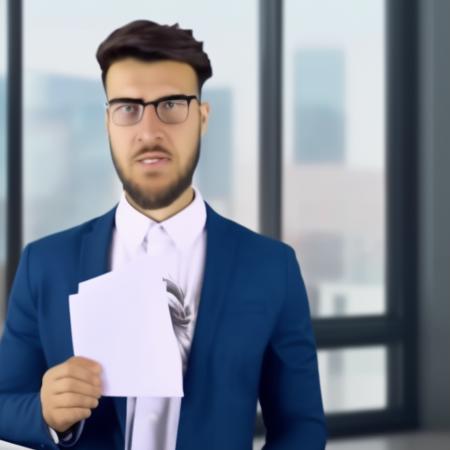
(243, 292)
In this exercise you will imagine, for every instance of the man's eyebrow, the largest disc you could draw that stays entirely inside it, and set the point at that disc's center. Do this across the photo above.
(142, 101)
(126, 100)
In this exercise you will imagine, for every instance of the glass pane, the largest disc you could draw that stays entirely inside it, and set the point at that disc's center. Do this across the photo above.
(69, 177)
(334, 154)
(353, 379)
(3, 174)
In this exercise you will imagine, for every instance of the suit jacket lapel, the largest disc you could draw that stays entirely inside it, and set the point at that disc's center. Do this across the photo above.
(221, 245)
(95, 261)
(96, 246)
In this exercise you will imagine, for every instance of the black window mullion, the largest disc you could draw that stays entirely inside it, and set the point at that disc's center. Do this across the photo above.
(14, 139)
(348, 332)
(270, 120)
(402, 197)
(366, 422)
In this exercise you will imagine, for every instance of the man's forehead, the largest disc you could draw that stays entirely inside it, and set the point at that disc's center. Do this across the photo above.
(130, 77)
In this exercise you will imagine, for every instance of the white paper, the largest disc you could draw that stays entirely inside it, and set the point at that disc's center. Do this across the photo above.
(122, 320)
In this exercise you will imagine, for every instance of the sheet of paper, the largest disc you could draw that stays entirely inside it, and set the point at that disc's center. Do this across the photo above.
(122, 320)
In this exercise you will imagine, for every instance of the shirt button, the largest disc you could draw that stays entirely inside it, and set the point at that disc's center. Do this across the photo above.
(153, 416)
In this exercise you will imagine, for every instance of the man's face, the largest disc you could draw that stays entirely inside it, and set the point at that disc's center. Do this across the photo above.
(134, 148)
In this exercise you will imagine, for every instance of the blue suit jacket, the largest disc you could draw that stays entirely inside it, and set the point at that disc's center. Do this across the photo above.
(253, 339)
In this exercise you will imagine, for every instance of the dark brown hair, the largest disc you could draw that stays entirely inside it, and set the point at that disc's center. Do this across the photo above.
(150, 41)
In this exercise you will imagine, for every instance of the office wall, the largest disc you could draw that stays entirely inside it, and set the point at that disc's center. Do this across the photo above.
(434, 170)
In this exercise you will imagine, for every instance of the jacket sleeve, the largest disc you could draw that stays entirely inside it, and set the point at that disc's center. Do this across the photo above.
(290, 396)
(22, 365)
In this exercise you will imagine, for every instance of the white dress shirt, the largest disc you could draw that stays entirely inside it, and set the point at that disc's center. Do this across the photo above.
(152, 422)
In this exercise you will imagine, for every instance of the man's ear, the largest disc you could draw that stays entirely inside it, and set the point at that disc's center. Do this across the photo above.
(204, 117)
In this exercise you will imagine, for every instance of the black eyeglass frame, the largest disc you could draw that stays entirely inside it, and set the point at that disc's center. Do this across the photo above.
(155, 103)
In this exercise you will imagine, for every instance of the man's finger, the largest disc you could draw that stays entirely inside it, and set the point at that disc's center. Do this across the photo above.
(76, 386)
(71, 400)
(73, 370)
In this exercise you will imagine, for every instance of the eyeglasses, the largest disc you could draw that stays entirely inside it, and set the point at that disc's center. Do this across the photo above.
(172, 109)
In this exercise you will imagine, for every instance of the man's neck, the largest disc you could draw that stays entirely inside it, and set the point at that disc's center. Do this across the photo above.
(159, 215)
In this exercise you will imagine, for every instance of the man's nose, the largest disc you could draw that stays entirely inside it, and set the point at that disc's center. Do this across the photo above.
(150, 127)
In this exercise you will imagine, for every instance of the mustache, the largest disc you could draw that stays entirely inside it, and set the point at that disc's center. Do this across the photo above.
(150, 149)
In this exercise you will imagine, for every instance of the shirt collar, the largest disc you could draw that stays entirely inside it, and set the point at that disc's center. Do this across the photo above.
(183, 228)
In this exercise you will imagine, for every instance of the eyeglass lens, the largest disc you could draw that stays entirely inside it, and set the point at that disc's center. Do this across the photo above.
(168, 111)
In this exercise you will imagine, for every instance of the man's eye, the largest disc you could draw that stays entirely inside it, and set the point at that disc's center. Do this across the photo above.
(128, 109)
(171, 104)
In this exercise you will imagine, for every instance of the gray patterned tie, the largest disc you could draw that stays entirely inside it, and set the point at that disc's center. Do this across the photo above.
(181, 318)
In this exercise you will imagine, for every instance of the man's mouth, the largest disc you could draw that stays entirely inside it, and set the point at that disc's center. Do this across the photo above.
(152, 161)
(155, 157)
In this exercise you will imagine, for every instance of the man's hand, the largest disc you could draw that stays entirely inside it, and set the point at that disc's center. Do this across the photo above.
(69, 392)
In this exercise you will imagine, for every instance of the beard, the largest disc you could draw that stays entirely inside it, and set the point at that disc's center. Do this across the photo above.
(146, 198)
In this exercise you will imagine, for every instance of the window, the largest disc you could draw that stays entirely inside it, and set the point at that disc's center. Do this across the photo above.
(333, 160)
(348, 165)
(354, 379)
(333, 178)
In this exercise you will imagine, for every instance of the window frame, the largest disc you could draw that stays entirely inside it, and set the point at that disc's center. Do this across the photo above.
(397, 329)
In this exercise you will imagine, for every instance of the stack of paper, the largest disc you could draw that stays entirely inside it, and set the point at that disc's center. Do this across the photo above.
(122, 320)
